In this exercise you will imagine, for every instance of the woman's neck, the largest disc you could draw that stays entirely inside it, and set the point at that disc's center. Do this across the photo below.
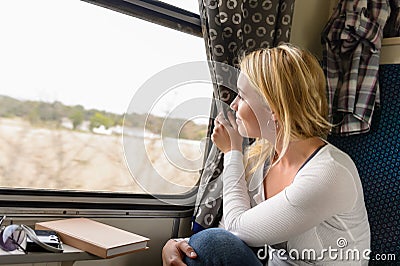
(298, 151)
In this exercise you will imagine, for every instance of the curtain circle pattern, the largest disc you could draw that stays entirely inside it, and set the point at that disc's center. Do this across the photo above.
(231, 28)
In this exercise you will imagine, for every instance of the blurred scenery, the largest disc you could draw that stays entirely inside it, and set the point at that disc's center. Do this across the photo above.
(55, 146)
(65, 88)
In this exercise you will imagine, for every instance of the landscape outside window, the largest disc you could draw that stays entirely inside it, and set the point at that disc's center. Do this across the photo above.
(67, 82)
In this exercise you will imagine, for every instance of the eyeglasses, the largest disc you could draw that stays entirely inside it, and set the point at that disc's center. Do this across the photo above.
(12, 237)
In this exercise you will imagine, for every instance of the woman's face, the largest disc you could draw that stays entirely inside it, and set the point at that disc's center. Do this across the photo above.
(253, 115)
(245, 117)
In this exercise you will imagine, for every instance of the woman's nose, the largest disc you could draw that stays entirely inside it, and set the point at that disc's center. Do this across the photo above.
(234, 104)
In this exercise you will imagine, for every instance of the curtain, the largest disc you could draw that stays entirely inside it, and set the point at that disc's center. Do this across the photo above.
(230, 28)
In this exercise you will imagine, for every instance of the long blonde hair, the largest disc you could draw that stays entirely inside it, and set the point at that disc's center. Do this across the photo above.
(293, 84)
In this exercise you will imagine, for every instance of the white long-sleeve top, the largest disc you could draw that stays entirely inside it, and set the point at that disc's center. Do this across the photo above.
(323, 208)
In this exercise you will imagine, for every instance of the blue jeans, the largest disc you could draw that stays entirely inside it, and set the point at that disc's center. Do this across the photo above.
(216, 246)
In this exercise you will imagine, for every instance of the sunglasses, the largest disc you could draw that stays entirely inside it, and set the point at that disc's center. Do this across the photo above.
(13, 237)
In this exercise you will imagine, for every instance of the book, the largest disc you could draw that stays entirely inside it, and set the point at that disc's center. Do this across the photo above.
(94, 237)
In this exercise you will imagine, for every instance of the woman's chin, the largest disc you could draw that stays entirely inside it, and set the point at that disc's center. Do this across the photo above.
(243, 132)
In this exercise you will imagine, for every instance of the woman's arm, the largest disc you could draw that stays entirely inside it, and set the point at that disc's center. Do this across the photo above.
(323, 190)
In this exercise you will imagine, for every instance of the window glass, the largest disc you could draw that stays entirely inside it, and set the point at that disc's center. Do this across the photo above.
(69, 71)
(189, 5)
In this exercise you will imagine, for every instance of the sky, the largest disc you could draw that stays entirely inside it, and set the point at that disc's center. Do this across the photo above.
(78, 53)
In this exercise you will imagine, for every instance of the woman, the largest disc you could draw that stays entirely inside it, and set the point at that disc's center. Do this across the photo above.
(292, 193)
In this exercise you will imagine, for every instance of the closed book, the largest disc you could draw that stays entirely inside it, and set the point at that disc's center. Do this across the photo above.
(94, 237)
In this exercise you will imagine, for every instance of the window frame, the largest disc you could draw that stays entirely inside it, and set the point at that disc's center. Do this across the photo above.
(24, 201)
(156, 12)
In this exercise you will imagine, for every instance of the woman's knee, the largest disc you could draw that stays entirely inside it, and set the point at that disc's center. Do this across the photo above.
(212, 239)
(216, 246)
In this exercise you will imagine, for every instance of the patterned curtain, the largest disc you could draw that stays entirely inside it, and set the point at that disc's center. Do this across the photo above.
(230, 28)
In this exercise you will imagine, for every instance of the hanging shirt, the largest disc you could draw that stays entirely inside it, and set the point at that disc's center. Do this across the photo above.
(352, 43)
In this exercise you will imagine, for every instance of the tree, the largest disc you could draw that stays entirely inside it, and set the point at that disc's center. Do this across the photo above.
(34, 116)
(99, 119)
(77, 115)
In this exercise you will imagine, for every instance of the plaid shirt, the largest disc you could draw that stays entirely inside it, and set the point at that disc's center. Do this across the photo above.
(352, 43)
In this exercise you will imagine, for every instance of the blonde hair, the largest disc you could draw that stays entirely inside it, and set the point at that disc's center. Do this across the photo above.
(293, 84)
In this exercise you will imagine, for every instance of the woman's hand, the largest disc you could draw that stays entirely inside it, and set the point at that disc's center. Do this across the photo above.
(173, 253)
(226, 135)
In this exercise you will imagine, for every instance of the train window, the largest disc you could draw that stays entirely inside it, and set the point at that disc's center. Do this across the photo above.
(189, 5)
(70, 73)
